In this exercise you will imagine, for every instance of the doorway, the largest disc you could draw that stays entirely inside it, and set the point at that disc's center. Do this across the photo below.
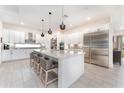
(118, 50)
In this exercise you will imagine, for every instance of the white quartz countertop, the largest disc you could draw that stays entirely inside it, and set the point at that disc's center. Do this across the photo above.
(60, 54)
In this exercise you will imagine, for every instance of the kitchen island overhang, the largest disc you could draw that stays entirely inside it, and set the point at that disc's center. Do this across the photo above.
(70, 66)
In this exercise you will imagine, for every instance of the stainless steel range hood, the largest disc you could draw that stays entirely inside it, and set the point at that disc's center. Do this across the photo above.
(30, 38)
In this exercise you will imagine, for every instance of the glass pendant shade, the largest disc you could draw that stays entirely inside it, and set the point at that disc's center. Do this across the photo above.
(49, 31)
(42, 35)
(62, 26)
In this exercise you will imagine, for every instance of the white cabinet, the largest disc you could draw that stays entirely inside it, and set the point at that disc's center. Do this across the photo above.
(11, 37)
(6, 55)
(19, 37)
(15, 54)
(16, 37)
(22, 37)
(5, 36)
(38, 38)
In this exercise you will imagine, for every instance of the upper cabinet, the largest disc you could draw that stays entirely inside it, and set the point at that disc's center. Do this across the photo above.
(22, 37)
(13, 36)
(5, 36)
(19, 37)
(38, 38)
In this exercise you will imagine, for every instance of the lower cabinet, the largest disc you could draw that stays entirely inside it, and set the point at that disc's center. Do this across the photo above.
(15, 54)
(6, 56)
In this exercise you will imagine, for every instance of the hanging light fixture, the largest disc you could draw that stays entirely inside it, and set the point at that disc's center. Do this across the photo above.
(50, 30)
(42, 34)
(62, 25)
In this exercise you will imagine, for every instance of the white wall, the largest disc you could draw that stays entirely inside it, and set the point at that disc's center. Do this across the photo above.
(118, 33)
(0, 41)
(19, 28)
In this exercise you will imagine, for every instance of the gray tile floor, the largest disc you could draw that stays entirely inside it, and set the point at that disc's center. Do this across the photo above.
(18, 74)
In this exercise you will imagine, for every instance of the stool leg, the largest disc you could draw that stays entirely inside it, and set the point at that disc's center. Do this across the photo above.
(38, 66)
(31, 63)
(34, 66)
(40, 72)
(46, 78)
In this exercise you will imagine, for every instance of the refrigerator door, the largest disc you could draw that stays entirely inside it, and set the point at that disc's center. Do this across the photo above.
(100, 60)
(100, 57)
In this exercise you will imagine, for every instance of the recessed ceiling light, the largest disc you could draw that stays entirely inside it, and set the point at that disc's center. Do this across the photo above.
(88, 18)
(70, 24)
(22, 23)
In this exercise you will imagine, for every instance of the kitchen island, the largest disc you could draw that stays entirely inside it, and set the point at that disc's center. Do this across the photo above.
(70, 65)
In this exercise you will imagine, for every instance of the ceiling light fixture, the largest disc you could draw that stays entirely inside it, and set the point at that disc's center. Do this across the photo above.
(88, 18)
(22, 23)
(50, 30)
(62, 25)
(71, 25)
(42, 34)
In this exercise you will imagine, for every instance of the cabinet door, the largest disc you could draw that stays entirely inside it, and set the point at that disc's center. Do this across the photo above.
(17, 36)
(5, 36)
(38, 38)
(22, 37)
(6, 55)
(11, 36)
(15, 54)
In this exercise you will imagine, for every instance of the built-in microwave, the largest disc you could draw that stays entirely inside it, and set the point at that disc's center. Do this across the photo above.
(6, 46)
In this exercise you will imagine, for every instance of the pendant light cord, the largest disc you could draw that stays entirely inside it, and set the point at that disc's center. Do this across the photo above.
(50, 19)
(42, 24)
(62, 12)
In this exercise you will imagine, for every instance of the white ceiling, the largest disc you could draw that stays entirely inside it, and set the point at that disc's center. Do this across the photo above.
(31, 15)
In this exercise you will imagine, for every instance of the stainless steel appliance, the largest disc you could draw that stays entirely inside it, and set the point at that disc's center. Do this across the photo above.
(61, 45)
(98, 44)
(86, 48)
(6, 46)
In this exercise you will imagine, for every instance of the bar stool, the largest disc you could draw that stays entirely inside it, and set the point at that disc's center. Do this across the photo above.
(38, 64)
(32, 58)
(35, 61)
(47, 73)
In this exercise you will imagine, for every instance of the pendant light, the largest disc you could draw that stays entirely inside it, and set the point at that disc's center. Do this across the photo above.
(50, 30)
(42, 35)
(62, 25)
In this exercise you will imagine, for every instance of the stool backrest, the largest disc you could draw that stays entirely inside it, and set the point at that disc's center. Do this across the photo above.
(48, 62)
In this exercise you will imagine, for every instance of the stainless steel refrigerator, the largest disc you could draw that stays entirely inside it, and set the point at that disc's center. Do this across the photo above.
(98, 47)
